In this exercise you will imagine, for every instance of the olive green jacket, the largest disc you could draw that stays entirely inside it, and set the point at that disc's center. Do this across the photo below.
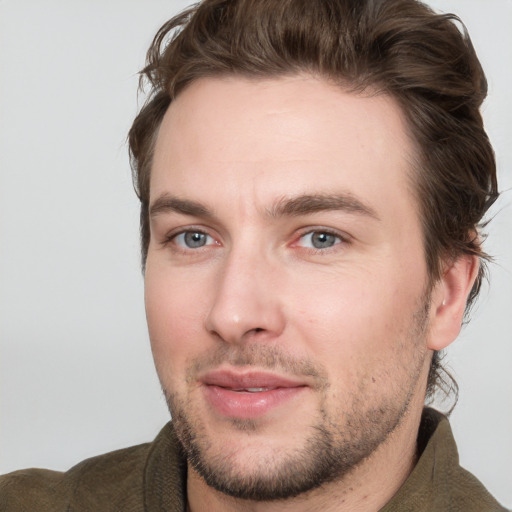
(152, 478)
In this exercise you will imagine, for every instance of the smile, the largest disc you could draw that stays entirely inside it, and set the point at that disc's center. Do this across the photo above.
(248, 395)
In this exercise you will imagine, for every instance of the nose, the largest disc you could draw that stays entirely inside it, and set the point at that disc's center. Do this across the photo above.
(247, 300)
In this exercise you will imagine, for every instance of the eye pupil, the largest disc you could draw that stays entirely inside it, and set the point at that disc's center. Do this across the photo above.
(322, 240)
(195, 239)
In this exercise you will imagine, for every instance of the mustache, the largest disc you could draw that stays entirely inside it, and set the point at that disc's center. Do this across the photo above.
(262, 356)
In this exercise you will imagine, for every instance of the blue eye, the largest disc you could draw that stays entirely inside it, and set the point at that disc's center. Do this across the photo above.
(319, 240)
(193, 239)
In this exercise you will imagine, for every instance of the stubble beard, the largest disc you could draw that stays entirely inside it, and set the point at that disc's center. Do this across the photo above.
(330, 452)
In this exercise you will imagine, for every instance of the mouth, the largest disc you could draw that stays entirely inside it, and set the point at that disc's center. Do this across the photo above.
(250, 394)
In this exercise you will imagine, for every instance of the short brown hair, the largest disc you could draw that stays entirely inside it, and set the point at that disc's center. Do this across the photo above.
(398, 47)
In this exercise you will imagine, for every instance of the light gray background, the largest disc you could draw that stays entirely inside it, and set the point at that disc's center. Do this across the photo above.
(76, 374)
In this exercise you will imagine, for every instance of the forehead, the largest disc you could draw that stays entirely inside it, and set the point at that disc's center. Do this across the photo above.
(286, 136)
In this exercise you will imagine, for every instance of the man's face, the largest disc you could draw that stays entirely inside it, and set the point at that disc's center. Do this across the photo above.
(285, 280)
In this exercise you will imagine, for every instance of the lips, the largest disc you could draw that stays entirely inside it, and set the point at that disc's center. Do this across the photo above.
(248, 395)
(248, 380)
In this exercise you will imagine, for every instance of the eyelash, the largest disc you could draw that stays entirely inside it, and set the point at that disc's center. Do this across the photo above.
(171, 237)
(343, 240)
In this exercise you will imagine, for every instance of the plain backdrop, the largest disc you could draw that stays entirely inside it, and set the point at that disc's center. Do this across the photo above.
(76, 374)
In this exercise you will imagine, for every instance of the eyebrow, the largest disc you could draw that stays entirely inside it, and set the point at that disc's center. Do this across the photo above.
(287, 207)
(312, 203)
(171, 204)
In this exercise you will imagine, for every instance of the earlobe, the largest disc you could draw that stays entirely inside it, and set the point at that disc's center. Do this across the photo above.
(448, 301)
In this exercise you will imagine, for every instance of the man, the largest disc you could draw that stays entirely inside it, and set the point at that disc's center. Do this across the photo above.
(312, 176)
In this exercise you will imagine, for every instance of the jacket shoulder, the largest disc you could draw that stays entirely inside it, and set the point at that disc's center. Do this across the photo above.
(31, 489)
(467, 493)
(109, 482)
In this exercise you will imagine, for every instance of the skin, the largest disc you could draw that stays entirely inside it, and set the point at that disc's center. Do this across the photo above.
(353, 322)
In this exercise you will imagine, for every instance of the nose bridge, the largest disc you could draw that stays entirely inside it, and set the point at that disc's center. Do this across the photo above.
(246, 299)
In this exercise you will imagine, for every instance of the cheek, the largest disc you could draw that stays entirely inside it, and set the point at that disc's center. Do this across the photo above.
(175, 311)
(351, 322)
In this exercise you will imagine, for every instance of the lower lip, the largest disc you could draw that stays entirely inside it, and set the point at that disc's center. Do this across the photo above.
(246, 405)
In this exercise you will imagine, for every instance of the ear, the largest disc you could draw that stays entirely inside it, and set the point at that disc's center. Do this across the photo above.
(448, 301)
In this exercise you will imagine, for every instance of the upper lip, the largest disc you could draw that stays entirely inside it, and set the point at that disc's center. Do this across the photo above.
(248, 379)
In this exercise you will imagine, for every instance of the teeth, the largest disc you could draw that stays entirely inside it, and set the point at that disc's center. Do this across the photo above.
(252, 390)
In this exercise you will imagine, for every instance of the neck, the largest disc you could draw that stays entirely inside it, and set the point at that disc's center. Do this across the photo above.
(368, 487)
